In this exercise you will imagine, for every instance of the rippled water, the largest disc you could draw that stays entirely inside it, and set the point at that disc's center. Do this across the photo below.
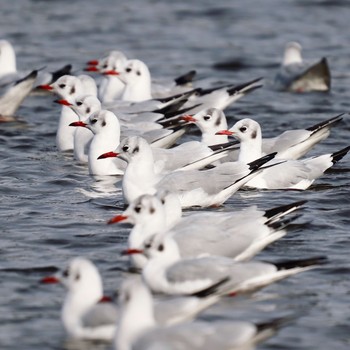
(52, 210)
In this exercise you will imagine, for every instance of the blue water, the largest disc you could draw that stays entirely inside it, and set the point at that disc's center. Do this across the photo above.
(52, 210)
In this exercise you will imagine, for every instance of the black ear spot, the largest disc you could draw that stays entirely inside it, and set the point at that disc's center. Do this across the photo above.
(103, 123)
(136, 149)
(77, 277)
(161, 247)
(72, 91)
(254, 133)
(152, 210)
(88, 110)
(217, 122)
(138, 73)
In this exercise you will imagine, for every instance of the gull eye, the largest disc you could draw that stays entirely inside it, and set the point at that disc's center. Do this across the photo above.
(93, 121)
(148, 245)
(79, 103)
(125, 148)
(162, 201)
(62, 86)
(161, 248)
(207, 117)
(128, 70)
(138, 208)
(104, 66)
(243, 129)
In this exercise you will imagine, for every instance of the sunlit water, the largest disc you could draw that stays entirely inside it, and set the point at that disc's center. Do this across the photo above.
(52, 210)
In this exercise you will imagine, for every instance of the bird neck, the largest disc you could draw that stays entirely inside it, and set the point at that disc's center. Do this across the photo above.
(250, 150)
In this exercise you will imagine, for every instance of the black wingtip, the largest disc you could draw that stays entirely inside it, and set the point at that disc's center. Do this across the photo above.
(225, 146)
(32, 75)
(60, 72)
(274, 324)
(211, 290)
(326, 123)
(258, 163)
(185, 78)
(283, 209)
(283, 223)
(290, 264)
(337, 156)
(245, 87)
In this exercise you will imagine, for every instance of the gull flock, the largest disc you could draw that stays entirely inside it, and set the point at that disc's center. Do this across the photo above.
(118, 122)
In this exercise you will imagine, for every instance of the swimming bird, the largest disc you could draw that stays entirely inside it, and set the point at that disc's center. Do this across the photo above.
(139, 329)
(82, 315)
(298, 76)
(291, 144)
(291, 174)
(239, 235)
(194, 187)
(166, 272)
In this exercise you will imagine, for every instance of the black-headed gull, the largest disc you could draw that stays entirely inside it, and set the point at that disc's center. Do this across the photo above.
(82, 315)
(88, 314)
(84, 107)
(291, 174)
(298, 76)
(138, 87)
(106, 129)
(111, 87)
(14, 95)
(138, 328)
(291, 144)
(165, 271)
(69, 88)
(9, 73)
(238, 235)
(194, 187)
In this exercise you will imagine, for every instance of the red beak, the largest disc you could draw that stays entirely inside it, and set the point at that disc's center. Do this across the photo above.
(188, 118)
(117, 218)
(105, 299)
(108, 155)
(50, 280)
(78, 124)
(131, 251)
(224, 132)
(45, 87)
(111, 72)
(91, 69)
(92, 63)
(63, 102)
